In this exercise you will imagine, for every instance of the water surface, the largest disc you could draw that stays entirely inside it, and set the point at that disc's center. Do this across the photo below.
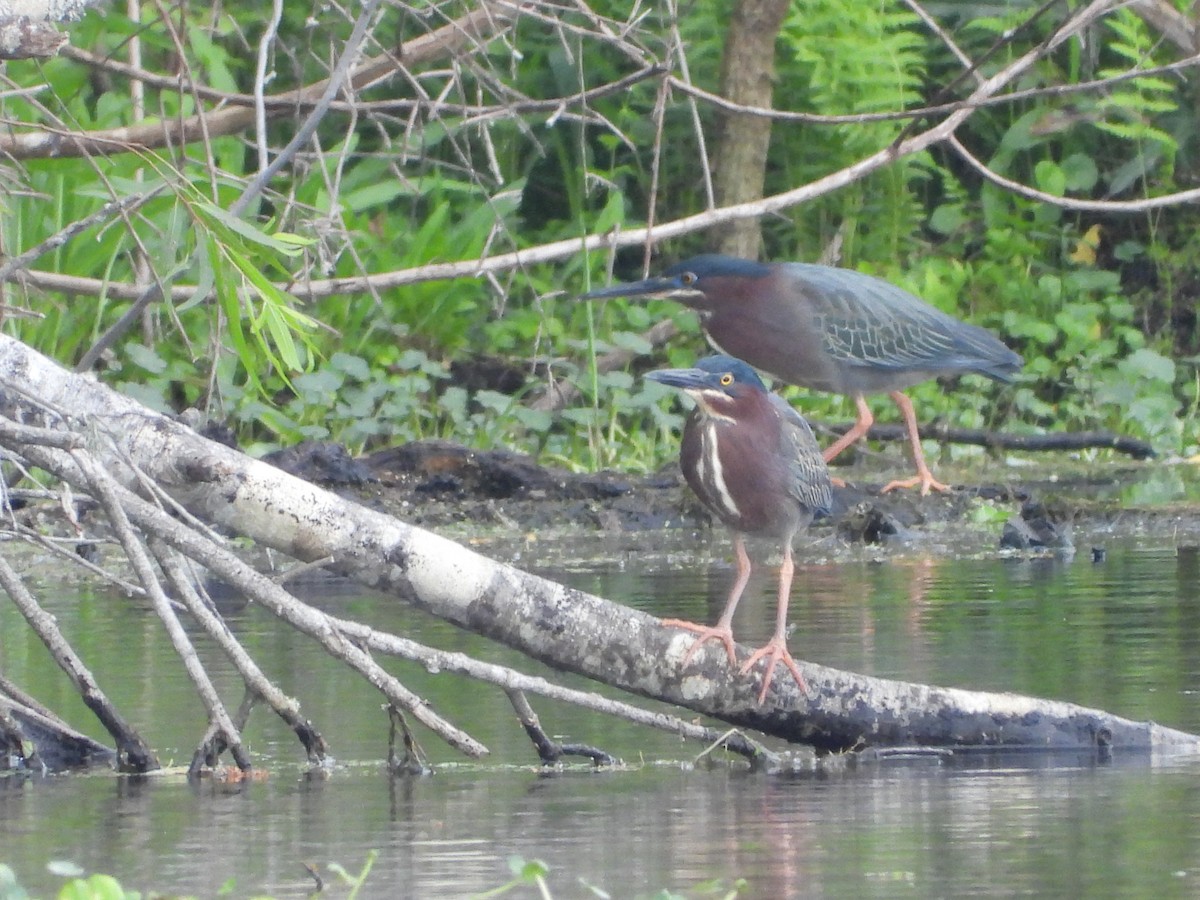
(1122, 634)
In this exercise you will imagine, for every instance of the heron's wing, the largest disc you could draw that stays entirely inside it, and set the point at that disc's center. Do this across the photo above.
(868, 322)
(810, 482)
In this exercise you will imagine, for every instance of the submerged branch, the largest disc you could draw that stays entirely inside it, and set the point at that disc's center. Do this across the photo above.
(509, 680)
(549, 750)
(104, 491)
(133, 753)
(257, 683)
(41, 738)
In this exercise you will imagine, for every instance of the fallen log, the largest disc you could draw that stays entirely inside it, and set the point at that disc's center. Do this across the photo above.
(568, 629)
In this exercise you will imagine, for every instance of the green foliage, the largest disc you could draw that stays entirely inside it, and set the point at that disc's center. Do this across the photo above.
(10, 888)
(526, 873)
(77, 887)
(1130, 111)
(96, 887)
(355, 882)
(80, 886)
(824, 67)
(1098, 307)
(533, 873)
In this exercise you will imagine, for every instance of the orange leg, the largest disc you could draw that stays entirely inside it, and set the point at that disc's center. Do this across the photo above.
(723, 630)
(775, 650)
(860, 427)
(924, 477)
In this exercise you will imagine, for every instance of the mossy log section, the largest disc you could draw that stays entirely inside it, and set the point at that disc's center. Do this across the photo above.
(565, 628)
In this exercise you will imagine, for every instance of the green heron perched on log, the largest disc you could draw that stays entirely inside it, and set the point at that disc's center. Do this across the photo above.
(829, 329)
(754, 463)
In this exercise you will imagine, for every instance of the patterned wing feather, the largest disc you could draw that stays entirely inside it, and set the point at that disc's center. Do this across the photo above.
(810, 484)
(868, 322)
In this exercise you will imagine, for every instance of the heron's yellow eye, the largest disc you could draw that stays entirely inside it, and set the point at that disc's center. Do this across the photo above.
(687, 279)
(726, 379)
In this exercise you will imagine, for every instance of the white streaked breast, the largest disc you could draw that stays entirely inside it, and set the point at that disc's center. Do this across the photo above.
(712, 473)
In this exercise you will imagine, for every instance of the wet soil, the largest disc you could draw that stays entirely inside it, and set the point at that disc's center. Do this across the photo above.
(1058, 506)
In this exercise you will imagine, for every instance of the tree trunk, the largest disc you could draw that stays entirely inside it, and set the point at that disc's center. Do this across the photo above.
(567, 629)
(747, 78)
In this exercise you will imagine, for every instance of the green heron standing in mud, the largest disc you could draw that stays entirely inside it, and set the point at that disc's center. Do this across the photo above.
(831, 330)
(754, 463)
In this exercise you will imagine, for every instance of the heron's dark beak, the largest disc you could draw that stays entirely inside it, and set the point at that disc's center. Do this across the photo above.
(650, 289)
(684, 379)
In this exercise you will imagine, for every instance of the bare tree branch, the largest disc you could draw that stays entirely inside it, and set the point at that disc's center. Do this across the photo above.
(59, 143)
(185, 584)
(556, 250)
(104, 491)
(1172, 24)
(108, 210)
(935, 109)
(260, 588)
(1105, 206)
(551, 751)
(510, 679)
(333, 85)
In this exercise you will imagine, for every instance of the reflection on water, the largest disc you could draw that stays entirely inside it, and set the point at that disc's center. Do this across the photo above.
(1123, 634)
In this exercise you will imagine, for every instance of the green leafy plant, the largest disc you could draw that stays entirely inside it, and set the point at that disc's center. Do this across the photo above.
(1097, 307)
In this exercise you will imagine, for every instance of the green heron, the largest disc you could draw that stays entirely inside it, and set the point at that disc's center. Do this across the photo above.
(831, 330)
(754, 463)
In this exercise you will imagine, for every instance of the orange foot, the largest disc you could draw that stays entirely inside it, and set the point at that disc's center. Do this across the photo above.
(924, 479)
(776, 651)
(706, 633)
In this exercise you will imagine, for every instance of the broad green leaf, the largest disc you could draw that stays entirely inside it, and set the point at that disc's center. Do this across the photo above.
(1080, 172)
(1050, 177)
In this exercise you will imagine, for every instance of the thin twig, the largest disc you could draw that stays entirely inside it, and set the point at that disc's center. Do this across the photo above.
(332, 88)
(1057, 441)
(474, 268)
(15, 264)
(62, 141)
(15, 434)
(301, 569)
(932, 24)
(414, 761)
(260, 83)
(659, 118)
(13, 742)
(697, 127)
(259, 588)
(561, 392)
(506, 678)
(152, 293)
(257, 683)
(51, 544)
(1105, 206)
(934, 109)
